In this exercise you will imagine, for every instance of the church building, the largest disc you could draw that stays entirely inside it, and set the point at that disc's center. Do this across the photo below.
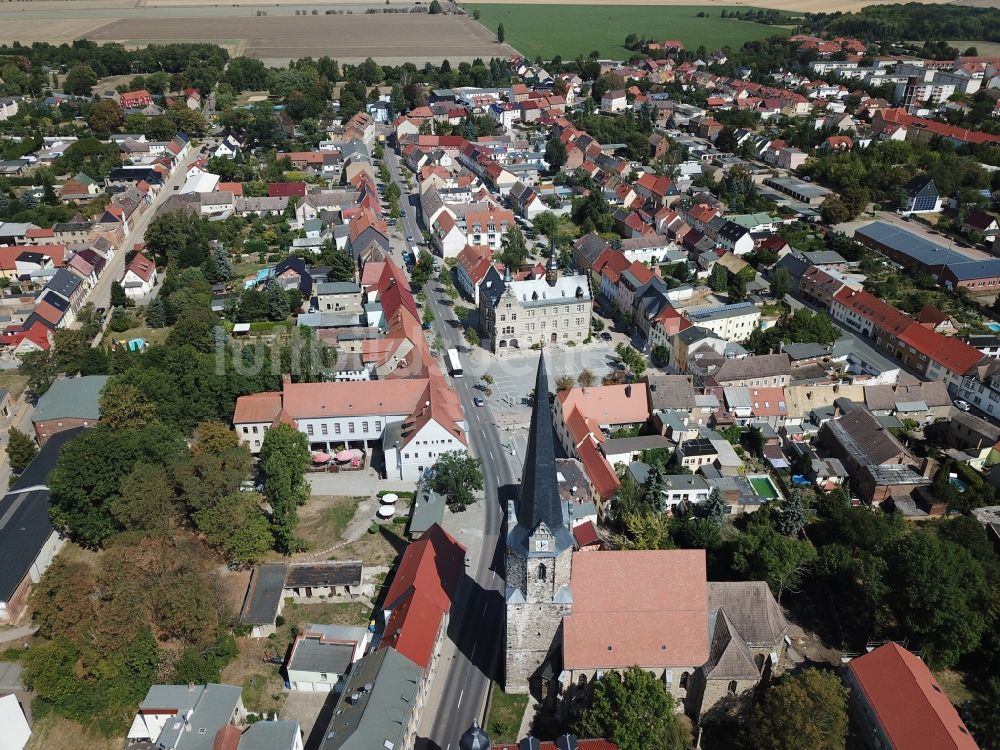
(574, 616)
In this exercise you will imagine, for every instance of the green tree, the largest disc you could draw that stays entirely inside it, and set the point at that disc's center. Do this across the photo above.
(80, 80)
(634, 712)
(237, 527)
(513, 248)
(342, 267)
(805, 710)
(156, 314)
(737, 291)
(716, 508)
(937, 592)
(105, 117)
(718, 280)
(501, 33)
(20, 450)
(457, 476)
(118, 296)
(762, 554)
(125, 407)
(82, 500)
(472, 336)
(276, 301)
(781, 284)
(434, 8)
(39, 367)
(555, 154)
(283, 459)
(146, 502)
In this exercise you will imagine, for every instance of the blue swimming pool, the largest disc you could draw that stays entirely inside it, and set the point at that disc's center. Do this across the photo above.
(993, 326)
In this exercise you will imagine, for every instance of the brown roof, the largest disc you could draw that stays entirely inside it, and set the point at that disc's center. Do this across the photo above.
(876, 444)
(257, 407)
(648, 608)
(751, 609)
(761, 366)
(908, 702)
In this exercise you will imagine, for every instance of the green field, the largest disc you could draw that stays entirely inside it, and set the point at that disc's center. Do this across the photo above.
(571, 30)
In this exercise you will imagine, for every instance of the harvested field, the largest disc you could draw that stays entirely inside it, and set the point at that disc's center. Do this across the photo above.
(793, 6)
(391, 38)
(552, 29)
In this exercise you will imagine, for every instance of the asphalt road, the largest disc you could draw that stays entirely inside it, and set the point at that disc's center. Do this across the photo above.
(100, 295)
(477, 616)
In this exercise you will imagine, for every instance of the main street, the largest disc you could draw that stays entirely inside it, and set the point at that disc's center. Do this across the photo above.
(462, 682)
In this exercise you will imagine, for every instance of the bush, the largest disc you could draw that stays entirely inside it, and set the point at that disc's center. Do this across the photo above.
(279, 621)
(399, 520)
(373, 529)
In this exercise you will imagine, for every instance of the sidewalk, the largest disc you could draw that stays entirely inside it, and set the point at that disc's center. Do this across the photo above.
(17, 634)
(365, 482)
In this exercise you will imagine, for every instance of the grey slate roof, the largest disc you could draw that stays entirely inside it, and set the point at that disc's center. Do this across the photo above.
(269, 735)
(538, 501)
(210, 706)
(71, 398)
(751, 608)
(264, 594)
(331, 573)
(375, 707)
(326, 648)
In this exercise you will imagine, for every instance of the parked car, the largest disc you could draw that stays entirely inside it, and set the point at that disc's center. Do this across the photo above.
(606, 336)
(478, 401)
(962, 405)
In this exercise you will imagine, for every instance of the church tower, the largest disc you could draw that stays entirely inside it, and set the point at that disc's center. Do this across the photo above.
(538, 556)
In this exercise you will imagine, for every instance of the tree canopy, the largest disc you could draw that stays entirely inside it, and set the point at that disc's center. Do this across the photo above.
(806, 711)
(634, 711)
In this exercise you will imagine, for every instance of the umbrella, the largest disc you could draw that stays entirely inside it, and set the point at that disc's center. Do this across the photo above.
(386, 511)
(321, 458)
(356, 453)
(345, 456)
(388, 498)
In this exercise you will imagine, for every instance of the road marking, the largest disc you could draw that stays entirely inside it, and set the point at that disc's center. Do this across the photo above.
(484, 608)
(491, 455)
(460, 701)
(474, 645)
(498, 479)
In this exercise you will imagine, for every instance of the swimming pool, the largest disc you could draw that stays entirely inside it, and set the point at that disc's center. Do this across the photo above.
(994, 327)
(764, 487)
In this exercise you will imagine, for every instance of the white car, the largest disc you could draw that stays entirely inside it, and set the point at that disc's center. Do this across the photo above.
(962, 405)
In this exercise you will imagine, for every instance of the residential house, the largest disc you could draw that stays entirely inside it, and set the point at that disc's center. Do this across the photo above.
(880, 467)
(322, 655)
(474, 269)
(68, 404)
(922, 196)
(28, 541)
(981, 223)
(140, 277)
(734, 322)
(895, 703)
(758, 371)
(614, 101)
(187, 717)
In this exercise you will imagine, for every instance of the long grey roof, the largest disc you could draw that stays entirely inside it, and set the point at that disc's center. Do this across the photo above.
(751, 608)
(268, 735)
(71, 398)
(538, 501)
(376, 704)
(264, 596)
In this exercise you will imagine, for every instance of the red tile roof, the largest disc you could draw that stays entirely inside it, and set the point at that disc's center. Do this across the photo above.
(286, 190)
(947, 351)
(586, 534)
(907, 700)
(476, 261)
(871, 308)
(257, 407)
(422, 593)
(142, 267)
(645, 608)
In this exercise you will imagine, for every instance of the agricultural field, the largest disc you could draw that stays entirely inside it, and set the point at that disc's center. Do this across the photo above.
(552, 29)
(390, 38)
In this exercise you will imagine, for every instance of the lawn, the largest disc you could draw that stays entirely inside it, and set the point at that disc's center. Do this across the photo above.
(152, 336)
(571, 30)
(323, 519)
(50, 731)
(506, 712)
(13, 381)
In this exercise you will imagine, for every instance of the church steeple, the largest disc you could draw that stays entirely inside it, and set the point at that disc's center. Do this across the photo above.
(538, 500)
